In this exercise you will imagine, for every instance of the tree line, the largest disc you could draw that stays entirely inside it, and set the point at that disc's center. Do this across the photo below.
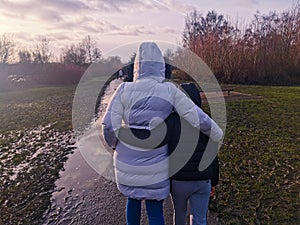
(83, 53)
(266, 51)
(22, 67)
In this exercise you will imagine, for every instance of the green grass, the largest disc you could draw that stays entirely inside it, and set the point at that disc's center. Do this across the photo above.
(38, 106)
(259, 183)
(260, 158)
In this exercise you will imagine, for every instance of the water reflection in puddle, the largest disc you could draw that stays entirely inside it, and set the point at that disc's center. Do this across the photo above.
(81, 194)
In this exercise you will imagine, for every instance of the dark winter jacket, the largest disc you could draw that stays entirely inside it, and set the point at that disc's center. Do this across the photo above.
(183, 139)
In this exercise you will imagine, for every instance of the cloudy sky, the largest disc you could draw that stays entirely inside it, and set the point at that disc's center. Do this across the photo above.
(112, 23)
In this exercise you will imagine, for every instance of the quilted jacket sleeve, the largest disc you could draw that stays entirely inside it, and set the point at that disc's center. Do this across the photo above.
(186, 108)
(112, 119)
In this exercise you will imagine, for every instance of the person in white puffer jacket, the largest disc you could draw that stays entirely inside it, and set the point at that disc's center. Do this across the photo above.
(144, 104)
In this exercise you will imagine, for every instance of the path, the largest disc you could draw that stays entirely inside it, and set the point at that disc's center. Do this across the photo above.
(83, 197)
(88, 198)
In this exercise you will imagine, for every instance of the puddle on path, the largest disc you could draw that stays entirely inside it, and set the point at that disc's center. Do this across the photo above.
(77, 183)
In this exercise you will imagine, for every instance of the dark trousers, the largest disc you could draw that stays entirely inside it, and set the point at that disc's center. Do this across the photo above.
(154, 211)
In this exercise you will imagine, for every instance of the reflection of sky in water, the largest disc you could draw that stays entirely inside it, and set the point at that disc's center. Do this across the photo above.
(31, 146)
(78, 178)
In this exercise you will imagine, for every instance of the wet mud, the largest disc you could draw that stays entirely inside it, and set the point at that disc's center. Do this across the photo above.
(45, 180)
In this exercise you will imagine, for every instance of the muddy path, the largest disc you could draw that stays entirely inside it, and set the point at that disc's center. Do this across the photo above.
(83, 196)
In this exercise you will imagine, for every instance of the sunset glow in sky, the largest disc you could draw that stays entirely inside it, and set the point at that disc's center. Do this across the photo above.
(112, 23)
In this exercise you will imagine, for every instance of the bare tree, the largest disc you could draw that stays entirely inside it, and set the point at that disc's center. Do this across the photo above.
(42, 53)
(83, 53)
(96, 55)
(266, 51)
(114, 61)
(211, 37)
(88, 45)
(92, 52)
(25, 56)
(6, 48)
(74, 55)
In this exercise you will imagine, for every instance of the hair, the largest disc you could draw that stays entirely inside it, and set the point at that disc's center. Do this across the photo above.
(168, 71)
(193, 92)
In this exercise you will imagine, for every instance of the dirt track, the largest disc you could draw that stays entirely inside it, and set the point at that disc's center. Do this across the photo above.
(84, 197)
(233, 96)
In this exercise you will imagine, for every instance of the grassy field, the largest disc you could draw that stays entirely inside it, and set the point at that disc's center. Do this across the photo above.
(34, 107)
(259, 159)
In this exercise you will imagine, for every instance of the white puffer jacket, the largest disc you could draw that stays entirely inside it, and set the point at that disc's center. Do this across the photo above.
(144, 104)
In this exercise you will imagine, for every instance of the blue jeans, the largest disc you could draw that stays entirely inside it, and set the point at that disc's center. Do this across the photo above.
(197, 193)
(154, 211)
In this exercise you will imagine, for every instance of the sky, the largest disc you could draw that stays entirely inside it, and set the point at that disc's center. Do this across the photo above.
(114, 23)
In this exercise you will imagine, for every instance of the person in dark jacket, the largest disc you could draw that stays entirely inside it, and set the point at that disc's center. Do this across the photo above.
(188, 184)
(186, 147)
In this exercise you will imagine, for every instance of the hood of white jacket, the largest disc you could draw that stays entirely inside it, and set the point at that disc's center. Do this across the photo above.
(149, 62)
